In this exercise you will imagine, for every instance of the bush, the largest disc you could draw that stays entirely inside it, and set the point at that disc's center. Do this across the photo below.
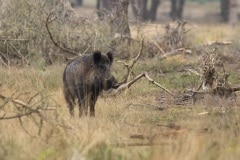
(24, 38)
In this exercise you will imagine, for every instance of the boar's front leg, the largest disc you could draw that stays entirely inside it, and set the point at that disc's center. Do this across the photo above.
(92, 104)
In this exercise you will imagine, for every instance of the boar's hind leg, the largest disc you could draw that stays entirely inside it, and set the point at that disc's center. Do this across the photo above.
(70, 101)
(81, 103)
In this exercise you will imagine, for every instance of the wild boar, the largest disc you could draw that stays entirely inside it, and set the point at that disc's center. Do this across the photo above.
(84, 78)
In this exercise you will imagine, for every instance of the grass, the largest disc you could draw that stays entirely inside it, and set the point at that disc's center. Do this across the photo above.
(177, 131)
(210, 129)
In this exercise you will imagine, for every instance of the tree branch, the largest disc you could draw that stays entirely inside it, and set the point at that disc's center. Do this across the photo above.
(124, 86)
(54, 42)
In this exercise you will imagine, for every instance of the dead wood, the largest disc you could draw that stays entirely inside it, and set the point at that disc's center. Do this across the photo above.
(121, 145)
(124, 86)
(187, 50)
(175, 36)
(36, 112)
(28, 110)
(129, 66)
(172, 132)
(19, 54)
(214, 43)
(127, 83)
(212, 82)
(8, 39)
(151, 138)
(175, 52)
(49, 19)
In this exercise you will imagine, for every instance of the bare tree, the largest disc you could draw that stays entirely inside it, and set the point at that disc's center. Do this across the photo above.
(177, 9)
(119, 18)
(153, 9)
(233, 12)
(115, 12)
(224, 9)
(79, 2)
(102, 4)
(229, 11)
(76, 3)
(141, 11)
(139, 8)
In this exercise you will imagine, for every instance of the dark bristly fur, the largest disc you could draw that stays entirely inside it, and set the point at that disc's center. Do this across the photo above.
(84, 78)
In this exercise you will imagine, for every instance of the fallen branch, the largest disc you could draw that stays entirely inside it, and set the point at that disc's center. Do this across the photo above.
(3, 117)
(172, 132)
(175, 52)
(7, 39)
(32, 110)
(14, 101)
(223, 43)
(27, 107)
(124, 86)
(120, 145)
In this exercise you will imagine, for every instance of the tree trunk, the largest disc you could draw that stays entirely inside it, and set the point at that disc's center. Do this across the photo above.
(119, 18)
(225, 10)
(144, 10)
(141, 11)
(180, 9)
(153, 10)
(102, 6)
(79, 2)
(173, 11)
(233, 12)
(137, 7)
(177, 9)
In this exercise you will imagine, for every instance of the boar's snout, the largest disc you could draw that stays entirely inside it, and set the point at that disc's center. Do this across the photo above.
(111, 83)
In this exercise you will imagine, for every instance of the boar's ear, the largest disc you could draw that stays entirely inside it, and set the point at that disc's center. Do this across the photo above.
(97, 56)
(110, 56)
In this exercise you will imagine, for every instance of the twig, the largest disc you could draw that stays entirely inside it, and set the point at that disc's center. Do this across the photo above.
(25, 130)
(5, 65)
(15, 116)
(120, 145)
(14, 101)
(8, 61)
(131, 65)
(160, 48)
(18, 53)
(14, 39)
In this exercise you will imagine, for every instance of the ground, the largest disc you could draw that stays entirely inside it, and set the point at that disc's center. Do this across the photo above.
(143, 122)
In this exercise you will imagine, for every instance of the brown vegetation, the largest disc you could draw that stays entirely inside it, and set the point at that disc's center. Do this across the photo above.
(145, 121)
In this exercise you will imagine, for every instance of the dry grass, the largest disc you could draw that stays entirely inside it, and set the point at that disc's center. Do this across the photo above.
(173, 133)
(210, 129)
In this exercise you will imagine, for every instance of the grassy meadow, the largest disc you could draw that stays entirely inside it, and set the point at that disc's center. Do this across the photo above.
(141, 123)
